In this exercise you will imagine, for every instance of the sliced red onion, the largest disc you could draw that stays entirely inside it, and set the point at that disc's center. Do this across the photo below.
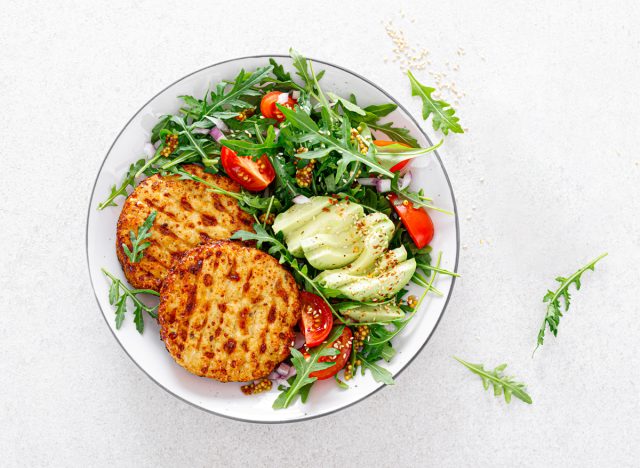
(295, 94)
(216, 133)
(282, 382)
(200, 131)
(274, 376)
(368, 181)
(220, 124)
(299, 341)
(292, 372)
(283, 369)
(405, 181)
(383, 185)
(300, 200)
(277, 132)
(283, 98)
(149, 150)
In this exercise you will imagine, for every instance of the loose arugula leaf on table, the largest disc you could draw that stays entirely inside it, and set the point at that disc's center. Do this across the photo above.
(502, 384)
(118, 297)
(137, 245)
(127, 181)
(554, 310)
(444, 118)
(304, 367)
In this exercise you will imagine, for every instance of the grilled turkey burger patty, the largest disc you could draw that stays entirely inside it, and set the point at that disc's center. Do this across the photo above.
(227, 312)
(188, 214)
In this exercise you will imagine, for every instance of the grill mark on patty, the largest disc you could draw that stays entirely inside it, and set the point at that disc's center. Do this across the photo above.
(208, 220)
(184, 203)
(151, 204)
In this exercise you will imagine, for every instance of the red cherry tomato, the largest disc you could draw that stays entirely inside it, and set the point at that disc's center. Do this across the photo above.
(401, 165)
(416, 220)
(268, 105)
(343, 343)
(317, 320)
(252, 175)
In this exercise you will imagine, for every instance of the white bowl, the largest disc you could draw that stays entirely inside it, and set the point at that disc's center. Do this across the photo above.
(148, 351)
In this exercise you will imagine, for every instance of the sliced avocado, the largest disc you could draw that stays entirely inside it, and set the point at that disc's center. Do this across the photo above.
(377, 230)
(373, 312)
(390, 258)
(298, 215)
(328, 251)
(376, 288)
(323, 231)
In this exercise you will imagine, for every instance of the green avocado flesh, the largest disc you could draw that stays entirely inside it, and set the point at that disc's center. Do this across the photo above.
(352, 249)
(324, 232)
(373, 312)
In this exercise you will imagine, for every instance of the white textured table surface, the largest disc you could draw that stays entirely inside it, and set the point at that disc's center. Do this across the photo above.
(546, 178)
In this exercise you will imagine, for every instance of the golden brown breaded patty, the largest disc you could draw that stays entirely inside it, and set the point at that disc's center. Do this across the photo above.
(188, 215)
(227, 312)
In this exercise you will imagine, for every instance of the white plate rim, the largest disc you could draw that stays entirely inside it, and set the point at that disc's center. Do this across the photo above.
(435, 153)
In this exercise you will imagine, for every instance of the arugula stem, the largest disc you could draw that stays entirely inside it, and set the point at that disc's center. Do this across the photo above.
(424, 266)
(133, 292)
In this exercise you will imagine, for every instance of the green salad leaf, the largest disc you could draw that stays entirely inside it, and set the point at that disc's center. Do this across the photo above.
(444, 118)
(121, 190)
(137, 240)
(119, 295)
(305, 367)
(502, 384)
(552, 298)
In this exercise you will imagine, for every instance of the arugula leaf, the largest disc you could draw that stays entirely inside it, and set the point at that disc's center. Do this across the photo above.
(340, 383)
(278, 71)
(554, 312)
(444, 118)
(121, 190)
(137, 245)
(502, 384)
(379, 374)
(242, 86)
(248, 148)
(346, 104)
(285, 183)
(312, 132)
(118, 296)
(304, 367)
(401, 135)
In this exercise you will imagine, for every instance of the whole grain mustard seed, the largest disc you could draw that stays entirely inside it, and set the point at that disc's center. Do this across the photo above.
(263, 385)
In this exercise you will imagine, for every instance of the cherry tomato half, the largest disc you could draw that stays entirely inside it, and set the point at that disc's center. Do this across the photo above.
(401, 165)
(343, 343)
(416, 220)
(317, 320)
(268, 105)
(252, 175)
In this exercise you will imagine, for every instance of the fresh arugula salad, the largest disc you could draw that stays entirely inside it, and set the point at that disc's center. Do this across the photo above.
(328, 186)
